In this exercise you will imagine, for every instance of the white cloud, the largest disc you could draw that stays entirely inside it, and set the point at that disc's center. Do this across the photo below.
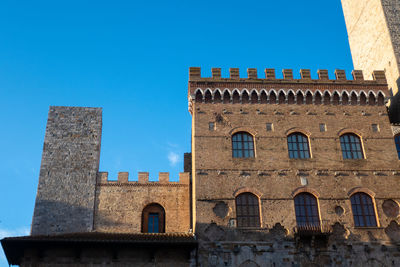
(173, 158)
(14, 232)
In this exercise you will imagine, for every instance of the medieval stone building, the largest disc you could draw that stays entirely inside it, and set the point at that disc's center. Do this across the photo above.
(282, 172)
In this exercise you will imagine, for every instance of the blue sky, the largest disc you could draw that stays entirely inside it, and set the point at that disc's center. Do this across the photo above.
(132, 59)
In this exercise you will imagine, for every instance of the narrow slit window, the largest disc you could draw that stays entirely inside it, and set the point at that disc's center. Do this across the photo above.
(211, 126)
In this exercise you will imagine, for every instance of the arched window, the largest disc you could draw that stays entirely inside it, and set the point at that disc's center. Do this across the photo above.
(397, 141)
(351, 146)
(298, 146)
(153, 219)
(306, 208)
(363, 210)
(242, 145)
(247, 210)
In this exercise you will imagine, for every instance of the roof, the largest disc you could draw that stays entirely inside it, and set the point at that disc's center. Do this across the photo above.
(14, 247)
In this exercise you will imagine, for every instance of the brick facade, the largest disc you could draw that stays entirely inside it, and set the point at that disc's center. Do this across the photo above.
(275, 179)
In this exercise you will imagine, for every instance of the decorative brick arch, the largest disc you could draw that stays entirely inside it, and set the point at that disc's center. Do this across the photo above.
(243, 129)
(361, 190)
(297, 130)
(349, 131)
(305, 189)
(247, 190)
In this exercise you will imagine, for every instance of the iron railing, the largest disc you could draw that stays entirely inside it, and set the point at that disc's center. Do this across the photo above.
(316, 228)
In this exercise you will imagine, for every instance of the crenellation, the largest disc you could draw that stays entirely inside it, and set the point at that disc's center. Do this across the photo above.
(340, 75)
(270, 74)
(102, 177)
(323, 75)
(305, 74)
(163, 177)
(123, 177)
(143, 178)
(357, 75)
(234, 73)
(377, 77)
(287, 74)
(216, 73)
(252, 73)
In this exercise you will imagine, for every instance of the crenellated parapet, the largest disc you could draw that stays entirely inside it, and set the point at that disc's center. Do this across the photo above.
(270, 90)
(378, 76)
(143, 179)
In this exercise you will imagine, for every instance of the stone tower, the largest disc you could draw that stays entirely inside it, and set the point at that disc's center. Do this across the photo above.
(70, 161)
(373, 28)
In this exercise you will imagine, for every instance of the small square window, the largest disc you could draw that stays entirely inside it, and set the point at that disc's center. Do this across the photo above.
(211, 126)
(375, 128)
(270, 127)
(322, 127)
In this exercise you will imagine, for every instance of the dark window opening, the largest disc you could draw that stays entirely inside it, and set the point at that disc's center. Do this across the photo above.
(247, 210)
(306, 208)
(363, 210)
(153, 219)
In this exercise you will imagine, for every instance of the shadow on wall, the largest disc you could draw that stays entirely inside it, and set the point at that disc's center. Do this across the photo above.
(52, 217)
(394, 108)
(220, 245)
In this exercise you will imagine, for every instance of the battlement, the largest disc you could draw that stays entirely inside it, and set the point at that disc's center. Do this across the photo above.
(252, 90)
(378, 76)
(143, 179)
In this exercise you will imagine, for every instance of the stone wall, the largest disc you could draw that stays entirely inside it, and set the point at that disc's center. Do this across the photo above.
(70, 161)
(373, 29)
(119, 204)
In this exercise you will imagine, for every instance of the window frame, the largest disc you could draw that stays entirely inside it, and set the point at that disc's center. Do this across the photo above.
(299, 146)
(371, 208)
(248, 215)
(351, 143)
(239, 149)
(303, 207)
(153, 208)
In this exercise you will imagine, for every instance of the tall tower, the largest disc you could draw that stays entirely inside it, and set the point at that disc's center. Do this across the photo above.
(373, 29)
(67, 180)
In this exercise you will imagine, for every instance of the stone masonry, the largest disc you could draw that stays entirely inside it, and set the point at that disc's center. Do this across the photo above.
(119, 204)
(67, 179)
(373, 29)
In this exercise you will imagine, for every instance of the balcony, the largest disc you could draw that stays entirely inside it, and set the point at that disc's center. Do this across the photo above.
(321, 228)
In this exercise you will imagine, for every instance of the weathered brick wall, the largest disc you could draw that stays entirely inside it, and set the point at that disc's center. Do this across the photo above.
(373, 28)
(119, 204)
(275, 178)
(70, 161)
